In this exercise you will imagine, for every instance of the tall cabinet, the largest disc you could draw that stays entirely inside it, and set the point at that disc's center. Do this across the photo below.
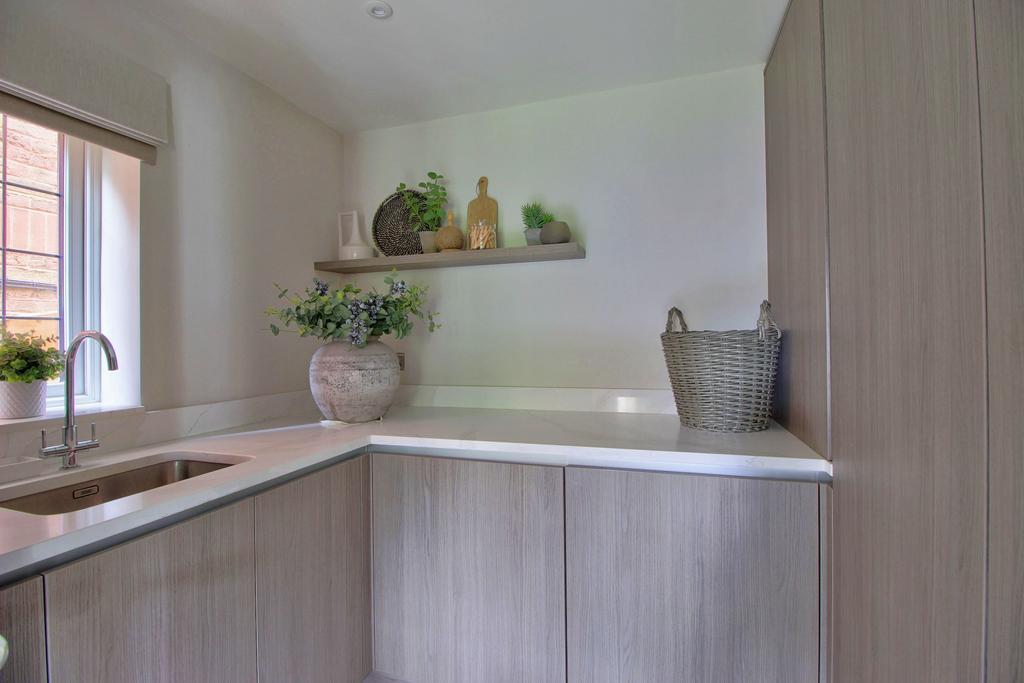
(797, 193)
(1000, 30)
(922, 323)
(908, 339)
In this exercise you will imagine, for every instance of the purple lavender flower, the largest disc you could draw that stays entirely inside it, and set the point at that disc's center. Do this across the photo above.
(399, 288)
(321, 287)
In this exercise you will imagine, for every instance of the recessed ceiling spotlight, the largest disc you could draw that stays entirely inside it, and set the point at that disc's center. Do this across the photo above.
(378, 9)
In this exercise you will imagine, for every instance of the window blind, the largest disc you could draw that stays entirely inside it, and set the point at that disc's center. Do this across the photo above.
(60, 79)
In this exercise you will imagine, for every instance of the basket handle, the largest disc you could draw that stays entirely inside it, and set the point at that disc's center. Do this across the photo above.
(766, 322)
(675, 315)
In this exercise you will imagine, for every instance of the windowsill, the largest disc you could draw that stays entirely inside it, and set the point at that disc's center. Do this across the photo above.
(54, 416)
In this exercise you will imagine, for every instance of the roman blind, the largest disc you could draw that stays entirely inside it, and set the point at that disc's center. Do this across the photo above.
(65, 81)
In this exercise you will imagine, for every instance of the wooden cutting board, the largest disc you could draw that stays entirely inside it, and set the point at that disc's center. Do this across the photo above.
(483, 208)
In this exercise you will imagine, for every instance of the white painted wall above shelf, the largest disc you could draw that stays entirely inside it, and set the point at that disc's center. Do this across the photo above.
(452, 259)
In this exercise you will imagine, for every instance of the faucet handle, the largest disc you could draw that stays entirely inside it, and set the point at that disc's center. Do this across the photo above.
(92, 442)
(46, 449)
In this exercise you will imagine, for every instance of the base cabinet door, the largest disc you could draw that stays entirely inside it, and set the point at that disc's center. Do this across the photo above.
(468, 562)
(21, 623)
(313, 577)
(176, 605)
(690, 579)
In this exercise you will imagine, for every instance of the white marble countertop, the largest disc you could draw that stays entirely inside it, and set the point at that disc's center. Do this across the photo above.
(272, 453)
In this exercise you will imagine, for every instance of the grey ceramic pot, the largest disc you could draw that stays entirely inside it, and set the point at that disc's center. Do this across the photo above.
(428, 241)
(353, 384)
(532, 236)
(555, 232)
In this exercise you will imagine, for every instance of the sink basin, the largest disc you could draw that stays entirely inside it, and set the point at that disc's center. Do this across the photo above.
(90, 492)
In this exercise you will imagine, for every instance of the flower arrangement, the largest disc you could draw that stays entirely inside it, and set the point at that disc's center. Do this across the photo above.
(350, 314)
(426, 209)
(27, 357)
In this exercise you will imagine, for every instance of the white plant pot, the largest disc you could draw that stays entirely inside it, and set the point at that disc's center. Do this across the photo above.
(21, 399)
(353, 384)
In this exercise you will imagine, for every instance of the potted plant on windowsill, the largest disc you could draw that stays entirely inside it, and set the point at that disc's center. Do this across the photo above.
(354, 376)
(535, 217)
(27, 362)
(426, 208)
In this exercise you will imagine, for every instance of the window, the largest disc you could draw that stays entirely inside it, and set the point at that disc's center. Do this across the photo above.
(48, 239)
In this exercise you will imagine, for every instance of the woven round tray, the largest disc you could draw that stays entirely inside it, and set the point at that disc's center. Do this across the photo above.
(391, 231)
(723, 381)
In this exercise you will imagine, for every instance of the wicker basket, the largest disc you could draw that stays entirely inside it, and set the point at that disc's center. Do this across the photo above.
(723, 381)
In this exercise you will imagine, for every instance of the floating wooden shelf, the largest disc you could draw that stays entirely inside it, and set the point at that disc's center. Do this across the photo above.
(452, 259)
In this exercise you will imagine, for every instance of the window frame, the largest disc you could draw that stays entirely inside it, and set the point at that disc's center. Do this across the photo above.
(80, 265)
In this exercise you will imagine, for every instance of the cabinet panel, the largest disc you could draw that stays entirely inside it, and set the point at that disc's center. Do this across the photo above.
(690, 579)
(176, 605)
(21, 623)
(1001, 76)
(468, 562)
(798, 221)
(313, 577)
(908, 347)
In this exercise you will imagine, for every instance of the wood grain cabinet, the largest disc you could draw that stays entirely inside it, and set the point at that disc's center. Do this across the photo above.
(908, 339)
(176, 605)
(438, 570)
(313, 576)
(924, 264)
(469, 578)
(690, 579)
(21, 623)
(797, 196)
(1000, 35)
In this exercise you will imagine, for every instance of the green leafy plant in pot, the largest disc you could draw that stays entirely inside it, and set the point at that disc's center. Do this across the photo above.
(27, 362)
(426, 208)
(535, 216)
(353, 376)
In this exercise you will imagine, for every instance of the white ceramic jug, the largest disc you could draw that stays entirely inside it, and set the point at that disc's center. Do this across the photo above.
(352, 243)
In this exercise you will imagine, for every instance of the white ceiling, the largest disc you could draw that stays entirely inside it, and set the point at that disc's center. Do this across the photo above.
(437, 58)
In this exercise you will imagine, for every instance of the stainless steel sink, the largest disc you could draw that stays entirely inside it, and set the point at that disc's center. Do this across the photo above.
(90, 492)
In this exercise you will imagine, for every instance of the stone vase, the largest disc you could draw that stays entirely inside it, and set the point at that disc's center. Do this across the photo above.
(532, 236)
(21, 399)
(353, 384)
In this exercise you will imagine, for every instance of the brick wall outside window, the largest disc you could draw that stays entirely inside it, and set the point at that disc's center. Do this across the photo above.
(32, 200)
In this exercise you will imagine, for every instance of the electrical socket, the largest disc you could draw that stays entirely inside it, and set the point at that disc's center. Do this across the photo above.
(401, 361)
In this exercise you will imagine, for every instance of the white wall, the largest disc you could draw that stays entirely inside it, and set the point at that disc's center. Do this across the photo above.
(246, 194)
(120, 275)
(663, 183)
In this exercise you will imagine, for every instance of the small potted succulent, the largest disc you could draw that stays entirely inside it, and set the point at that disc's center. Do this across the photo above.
(27, 362)
(426, 208)
(535, 217)
(353, 376)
